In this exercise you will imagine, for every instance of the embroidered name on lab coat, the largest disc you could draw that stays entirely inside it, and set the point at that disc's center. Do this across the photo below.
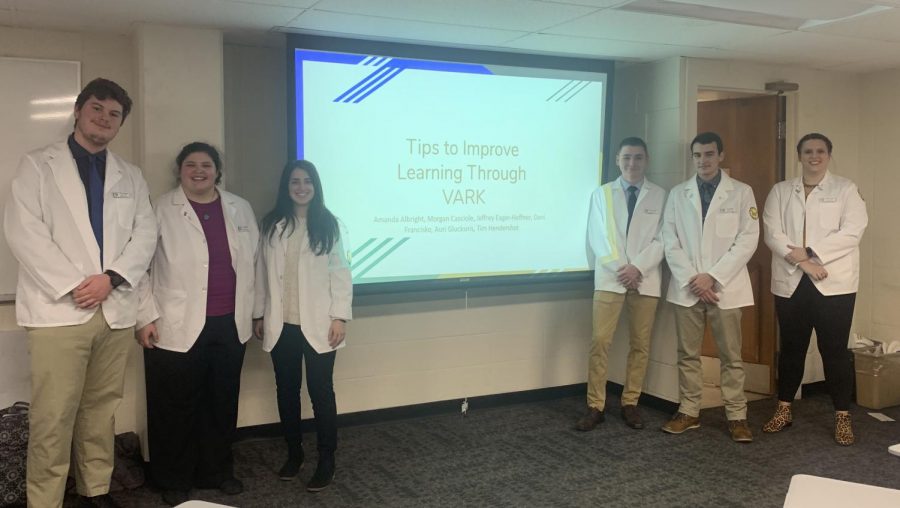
(121, 195)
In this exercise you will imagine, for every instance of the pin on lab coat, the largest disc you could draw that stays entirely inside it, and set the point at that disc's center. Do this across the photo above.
(174, 294)
(721, 246)
(326, 289)
(835, 218)
(611, 248)
(49, 231)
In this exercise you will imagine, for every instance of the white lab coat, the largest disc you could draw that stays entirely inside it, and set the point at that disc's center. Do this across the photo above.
(49, 231)
(610, 249)
(835, 218)
(722, 247)
(174, 295)
(326, 290)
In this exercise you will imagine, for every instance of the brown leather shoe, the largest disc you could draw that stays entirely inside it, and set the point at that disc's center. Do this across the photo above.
(632, 416)
(590, 420)
(740, 432)
(680, 423)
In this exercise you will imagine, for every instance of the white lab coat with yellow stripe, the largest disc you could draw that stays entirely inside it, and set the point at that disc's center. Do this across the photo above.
(611, 248)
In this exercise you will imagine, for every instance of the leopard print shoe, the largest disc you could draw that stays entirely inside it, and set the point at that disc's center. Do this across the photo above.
(781, 419)
(843, 429)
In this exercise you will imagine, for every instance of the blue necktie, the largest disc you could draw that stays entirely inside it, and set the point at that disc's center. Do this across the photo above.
(706, 194)
(95, 202)
(632, 201)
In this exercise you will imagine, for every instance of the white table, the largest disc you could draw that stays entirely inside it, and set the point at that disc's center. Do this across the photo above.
(814, 491)
(201, 504)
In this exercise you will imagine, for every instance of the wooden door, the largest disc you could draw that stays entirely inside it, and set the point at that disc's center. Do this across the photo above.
(752, 130)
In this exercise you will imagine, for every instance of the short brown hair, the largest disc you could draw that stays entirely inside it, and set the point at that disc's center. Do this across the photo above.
(102, 89)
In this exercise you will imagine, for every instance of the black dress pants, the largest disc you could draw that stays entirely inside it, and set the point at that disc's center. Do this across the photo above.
(287, 357)
(192, 406)
(830, 316)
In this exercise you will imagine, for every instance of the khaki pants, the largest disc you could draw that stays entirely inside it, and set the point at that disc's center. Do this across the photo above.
(690, 323)
(641, 313)
(77, 377)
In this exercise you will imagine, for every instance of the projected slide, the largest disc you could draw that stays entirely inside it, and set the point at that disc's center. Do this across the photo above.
(452, 170)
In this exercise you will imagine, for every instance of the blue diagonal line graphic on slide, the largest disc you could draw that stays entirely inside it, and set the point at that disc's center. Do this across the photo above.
(373, 251)
(373, 76)
(379, 85)
(373, 85)
(564, 87)
(380, 258)
(369, 60)
(578, 91)
(362, 247)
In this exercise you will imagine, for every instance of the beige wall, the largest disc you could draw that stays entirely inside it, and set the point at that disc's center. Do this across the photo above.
(879, 130)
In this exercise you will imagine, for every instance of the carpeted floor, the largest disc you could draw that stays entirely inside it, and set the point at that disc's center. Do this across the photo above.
(528, 455)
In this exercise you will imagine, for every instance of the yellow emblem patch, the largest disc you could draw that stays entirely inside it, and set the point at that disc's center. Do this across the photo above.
(753, 213)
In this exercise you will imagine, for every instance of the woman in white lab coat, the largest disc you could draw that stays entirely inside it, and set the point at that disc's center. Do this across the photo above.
(194, 318)
(303, 301)
(813, 225)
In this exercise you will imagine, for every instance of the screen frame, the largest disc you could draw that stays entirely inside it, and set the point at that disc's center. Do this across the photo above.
(461, 55)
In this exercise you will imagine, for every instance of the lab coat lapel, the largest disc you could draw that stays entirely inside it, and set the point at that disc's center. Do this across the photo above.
(230, 211)
(70, 186)
(187, 211)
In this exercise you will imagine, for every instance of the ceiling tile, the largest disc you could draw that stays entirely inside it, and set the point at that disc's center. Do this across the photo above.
(817, 50)
(883, 26)
(524, 15)
(653, 28)
(118, 15)
(800, 9)
(393, 29)
(606, 48)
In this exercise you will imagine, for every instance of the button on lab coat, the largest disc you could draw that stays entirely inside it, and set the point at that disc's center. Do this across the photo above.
(174, 295)
(721, 246)
(49, 231)
(835, 217)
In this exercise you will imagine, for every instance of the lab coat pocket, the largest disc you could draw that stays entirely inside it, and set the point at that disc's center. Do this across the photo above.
(726, 225)
(829, 217)
(172, 303)
(123, 203)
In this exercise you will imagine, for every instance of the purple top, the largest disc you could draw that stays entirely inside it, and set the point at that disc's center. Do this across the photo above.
(222, 280)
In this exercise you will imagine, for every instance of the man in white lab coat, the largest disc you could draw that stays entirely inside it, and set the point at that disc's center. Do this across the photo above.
(626, 251)
(710, 231)
(80, 224)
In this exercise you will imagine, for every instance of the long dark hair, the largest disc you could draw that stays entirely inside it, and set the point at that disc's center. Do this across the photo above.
(321, 224)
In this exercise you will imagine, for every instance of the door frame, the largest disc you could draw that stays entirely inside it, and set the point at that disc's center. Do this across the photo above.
(757, 381)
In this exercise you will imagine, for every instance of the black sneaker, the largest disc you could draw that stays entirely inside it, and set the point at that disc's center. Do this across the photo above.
(102, 501)
(323, 476)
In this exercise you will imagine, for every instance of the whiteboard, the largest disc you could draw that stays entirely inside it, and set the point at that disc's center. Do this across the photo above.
(36, 105)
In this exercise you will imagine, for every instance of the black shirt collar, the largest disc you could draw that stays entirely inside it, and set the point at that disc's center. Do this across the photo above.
(79, 151)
